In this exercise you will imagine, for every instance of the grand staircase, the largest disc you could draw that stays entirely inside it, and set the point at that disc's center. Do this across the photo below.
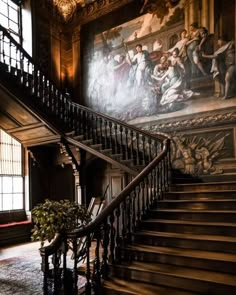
(152, 238)
(187, 245)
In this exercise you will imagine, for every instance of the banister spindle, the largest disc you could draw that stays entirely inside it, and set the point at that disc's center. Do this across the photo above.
(88, 285)
(138, 161)
(105, 244)
(112, 239)
(118, 235)
(126, 144)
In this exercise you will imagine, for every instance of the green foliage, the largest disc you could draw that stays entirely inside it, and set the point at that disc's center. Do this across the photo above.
(53, 217)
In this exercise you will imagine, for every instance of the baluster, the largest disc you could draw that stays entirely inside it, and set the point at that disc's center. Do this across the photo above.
(33, 82)
(115, 141)
(118, 236)
(90, 122)
(16, 65)
(66, 104)
(88, 284)
(80, 131)
(9, 57)
(93, 128)
(71, 116)
(169, 167)
(101, 137)
(38, 83)
(126, 144)
(121, 142)
(124, 227)
(105, 135)
(143, 199)
(160, 179)
(1, 41)
(112, 239)
(153, 189)
(47, 92)
(3, 50)
(45, 270)
(129, 218)
(56, 102)
(147, 194)
(75, 251)
(52, 98)
(22, 74)
(60, 107)
(150, 149)
(97, 138)
(110, 141)
(166, 172)
(27, 77)
(104, 268)
(139, 213)
(85, 122)
(138, 160)
(144, 151)
(43, 90)
(134, 211)
(97, 266)
(132, 154)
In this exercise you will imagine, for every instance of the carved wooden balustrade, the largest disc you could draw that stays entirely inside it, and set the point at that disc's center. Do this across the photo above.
(112, 229)
(126, 146)
(114, 140)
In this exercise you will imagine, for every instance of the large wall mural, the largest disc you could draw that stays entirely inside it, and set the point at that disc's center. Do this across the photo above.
(156, 67)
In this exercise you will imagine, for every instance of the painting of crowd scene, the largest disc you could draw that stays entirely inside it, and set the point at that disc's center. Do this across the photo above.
(155, 65)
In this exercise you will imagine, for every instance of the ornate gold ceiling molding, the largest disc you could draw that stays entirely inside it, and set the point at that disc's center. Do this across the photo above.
(67, 7)
(91, 8)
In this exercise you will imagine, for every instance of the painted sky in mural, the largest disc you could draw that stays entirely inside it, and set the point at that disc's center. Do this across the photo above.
(152, 66)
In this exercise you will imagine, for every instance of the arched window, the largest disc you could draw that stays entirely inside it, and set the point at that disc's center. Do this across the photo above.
(11, 173)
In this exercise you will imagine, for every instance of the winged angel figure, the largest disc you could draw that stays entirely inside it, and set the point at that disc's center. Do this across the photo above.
(197, 155)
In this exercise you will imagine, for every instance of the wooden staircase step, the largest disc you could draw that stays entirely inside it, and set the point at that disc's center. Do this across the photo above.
(117, 286)
(219, 204)
(204, 186)
(78, 137)
(200, 195)
(207, 260)
(195, 215)
(97, 146)
(205, 282)
(193, 227)
(225, 244)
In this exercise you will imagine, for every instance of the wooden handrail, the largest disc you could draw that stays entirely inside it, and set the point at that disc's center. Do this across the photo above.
(157, 136)
(84, 231)
(121, 196)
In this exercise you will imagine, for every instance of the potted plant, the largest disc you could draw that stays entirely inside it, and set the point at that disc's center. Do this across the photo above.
(52, 217)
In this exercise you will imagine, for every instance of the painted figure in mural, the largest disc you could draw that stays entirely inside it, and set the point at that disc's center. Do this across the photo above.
(142, 60)
(193, 50)
(157, 45)
(143, 65)
(121, 72)
(161, 68)
(173, 84)
(181, 46)
(223, 64)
